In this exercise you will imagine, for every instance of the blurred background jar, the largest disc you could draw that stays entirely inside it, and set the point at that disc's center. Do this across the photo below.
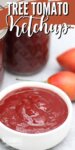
(25, 55)
(2, 47)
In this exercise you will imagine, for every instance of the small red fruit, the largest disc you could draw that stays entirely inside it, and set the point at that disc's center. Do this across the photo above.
(67, 59)
(65, 80)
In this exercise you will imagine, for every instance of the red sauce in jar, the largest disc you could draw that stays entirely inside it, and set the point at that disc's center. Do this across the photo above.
(1, 58)
(33, 110)
(26, 55)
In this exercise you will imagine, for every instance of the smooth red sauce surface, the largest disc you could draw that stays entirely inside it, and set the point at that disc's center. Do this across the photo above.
(32, 110)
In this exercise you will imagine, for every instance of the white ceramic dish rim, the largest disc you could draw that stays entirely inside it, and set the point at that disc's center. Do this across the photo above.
(53, 88)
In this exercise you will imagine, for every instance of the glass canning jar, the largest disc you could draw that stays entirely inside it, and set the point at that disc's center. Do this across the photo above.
(2, 47)
(25, 55)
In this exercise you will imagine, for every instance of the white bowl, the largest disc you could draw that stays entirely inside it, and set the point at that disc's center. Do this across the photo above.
(41, 141)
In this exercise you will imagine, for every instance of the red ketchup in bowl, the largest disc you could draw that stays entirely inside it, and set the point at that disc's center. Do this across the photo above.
(33, 110)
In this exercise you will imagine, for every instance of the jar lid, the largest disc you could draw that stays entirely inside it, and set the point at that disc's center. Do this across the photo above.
(3, 33)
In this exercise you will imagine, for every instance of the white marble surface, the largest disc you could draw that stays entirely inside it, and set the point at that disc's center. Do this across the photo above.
(57, 47)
